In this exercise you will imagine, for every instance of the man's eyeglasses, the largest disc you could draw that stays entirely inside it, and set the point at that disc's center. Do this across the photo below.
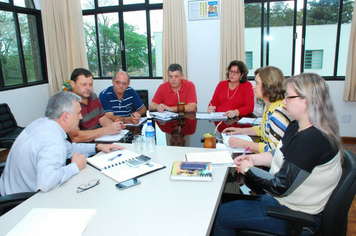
(234, 72)
(91, 184)
(290, 97)
(119, 82)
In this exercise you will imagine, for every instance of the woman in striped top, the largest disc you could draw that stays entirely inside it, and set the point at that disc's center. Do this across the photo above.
(268, 87)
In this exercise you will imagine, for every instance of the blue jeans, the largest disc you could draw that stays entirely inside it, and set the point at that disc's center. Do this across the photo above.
(248, 214)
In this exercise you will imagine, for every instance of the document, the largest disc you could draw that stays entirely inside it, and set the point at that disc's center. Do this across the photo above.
(114, 165)
(226, 138)
(142, 120)
(166, 115)
(250, 121)
(221, 157)
(211, 116)
(112, 137)
(50, 221)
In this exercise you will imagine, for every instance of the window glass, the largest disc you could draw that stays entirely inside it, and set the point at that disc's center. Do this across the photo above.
(347, 11)
(156, 1)
(105, 3)
(30, 47)
(110, 44)
(253, 34)
(91, 44)
(281, 36)
(7, 1)
(87, 4)
(10, 61)
(156, 18)
(133, 1)
(321, 30)
(249, 60)
(24, 3)
(136, 43)
(313, 59)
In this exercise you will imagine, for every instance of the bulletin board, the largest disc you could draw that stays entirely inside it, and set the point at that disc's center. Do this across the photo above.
(204, 10)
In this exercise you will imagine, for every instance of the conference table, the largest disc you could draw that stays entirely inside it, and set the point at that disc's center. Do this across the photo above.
(157, 206)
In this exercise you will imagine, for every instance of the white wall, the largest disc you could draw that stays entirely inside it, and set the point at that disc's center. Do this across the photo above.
(29, 103)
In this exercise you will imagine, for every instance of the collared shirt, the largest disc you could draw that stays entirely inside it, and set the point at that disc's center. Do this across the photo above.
(37, 159)
(167, 96)
(129, 103)
(91, 113)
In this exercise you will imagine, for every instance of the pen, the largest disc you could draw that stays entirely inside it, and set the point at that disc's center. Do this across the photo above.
(111, 159)
(243, 154)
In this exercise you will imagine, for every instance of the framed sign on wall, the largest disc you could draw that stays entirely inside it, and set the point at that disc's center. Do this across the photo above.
(204, 10)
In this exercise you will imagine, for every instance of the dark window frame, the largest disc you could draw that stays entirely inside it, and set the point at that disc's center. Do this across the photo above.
(120, 9)
(15, 10)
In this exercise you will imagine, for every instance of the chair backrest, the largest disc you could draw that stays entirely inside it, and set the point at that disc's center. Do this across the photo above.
(7, 119)
(335, 214)
(143, 93)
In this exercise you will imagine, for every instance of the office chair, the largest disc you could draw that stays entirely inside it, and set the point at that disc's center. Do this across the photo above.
(143, 93)
(334, 218)
(10, 201)
(9, 130)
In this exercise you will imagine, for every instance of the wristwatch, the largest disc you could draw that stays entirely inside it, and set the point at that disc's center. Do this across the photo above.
(247, 169)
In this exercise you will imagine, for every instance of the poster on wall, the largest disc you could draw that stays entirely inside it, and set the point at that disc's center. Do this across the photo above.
(203, 10)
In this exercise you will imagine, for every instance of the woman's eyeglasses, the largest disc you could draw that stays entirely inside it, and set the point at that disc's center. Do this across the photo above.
(91, 184)
(234, 72)
(290, 97)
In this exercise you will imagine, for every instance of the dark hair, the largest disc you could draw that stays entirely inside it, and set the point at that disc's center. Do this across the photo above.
(272, 80)
(80, 71)
(242, 68)
(175, 67)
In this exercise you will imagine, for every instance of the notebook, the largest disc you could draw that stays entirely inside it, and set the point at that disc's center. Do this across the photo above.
(226, 138)
(211, 116)
(114, 165)
(222, 157)
(250, 121)
(192, 171)
(142, 121)
(166, 115)
(112, 137)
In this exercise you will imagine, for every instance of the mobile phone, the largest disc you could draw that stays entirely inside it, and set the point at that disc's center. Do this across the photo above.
(128, 183)
(138, 161)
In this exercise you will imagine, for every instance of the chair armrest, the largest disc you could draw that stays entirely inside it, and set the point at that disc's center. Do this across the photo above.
(290, 215)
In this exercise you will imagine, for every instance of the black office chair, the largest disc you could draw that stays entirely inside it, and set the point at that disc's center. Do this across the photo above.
(10, 201)
(334, 219)
(143, 93)
(9, 130)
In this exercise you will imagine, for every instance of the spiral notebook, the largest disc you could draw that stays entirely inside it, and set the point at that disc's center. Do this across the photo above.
(192, 171)
(114, 165)
(166, 115)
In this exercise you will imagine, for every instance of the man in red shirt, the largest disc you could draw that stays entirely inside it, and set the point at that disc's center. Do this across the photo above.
(175, 90)
(92, 111)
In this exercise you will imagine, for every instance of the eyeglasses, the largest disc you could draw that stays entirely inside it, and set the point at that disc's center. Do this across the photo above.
(290, 97)
(91, 184)
(119, 82)
(234, 72)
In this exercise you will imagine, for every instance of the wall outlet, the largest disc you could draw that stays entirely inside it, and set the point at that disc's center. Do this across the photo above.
(345, 118)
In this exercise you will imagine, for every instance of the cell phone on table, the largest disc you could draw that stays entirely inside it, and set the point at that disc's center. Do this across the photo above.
(138, 161)
(128, 183)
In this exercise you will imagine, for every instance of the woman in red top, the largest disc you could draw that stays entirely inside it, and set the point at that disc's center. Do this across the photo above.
(235, 95)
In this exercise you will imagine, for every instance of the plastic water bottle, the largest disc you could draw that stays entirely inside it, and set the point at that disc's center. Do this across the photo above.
(150, 137)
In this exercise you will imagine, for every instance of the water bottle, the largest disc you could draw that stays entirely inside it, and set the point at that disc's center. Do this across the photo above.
(150, 137)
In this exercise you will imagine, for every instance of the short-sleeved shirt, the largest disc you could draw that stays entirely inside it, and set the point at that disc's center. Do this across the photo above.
(91, 113)
(167, 96)
(129, 103)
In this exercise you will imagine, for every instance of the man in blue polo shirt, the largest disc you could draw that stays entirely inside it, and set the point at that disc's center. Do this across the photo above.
(121, 102)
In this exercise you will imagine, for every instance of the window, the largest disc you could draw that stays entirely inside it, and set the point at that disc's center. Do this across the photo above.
(22, 58)
(249, 60)
(313, 59)
(281, 33)
(123, 35)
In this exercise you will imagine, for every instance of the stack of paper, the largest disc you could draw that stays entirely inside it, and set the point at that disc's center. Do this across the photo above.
(142, 120)
(166, 115)
(112, 137)
(221, 157)
(226, 138)
(250, 121)
(211, 116)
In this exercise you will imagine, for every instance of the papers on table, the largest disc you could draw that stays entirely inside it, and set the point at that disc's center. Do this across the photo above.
(112, 137)
(142, 120)
(166, 115)
(211, 116)
(49, 221)
(221, 157)
(250, 121)
(226, 138)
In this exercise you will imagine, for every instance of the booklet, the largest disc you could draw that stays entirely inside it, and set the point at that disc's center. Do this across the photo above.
(192, 171)
(112, 137)
(220, 157)
(250, 121)
(226, 138)
(117, 165)
(166, 115)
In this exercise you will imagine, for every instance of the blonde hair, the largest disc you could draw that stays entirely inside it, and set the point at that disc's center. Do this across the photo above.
(320, 107)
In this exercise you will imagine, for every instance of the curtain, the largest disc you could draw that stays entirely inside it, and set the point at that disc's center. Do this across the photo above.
(232, 36)
(64, 40)
(350, 78)
(174, 36)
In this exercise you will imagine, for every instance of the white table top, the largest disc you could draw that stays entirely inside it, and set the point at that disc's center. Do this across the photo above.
(158, 206)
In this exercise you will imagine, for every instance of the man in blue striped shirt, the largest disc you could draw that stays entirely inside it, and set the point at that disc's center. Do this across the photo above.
(121, 102)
